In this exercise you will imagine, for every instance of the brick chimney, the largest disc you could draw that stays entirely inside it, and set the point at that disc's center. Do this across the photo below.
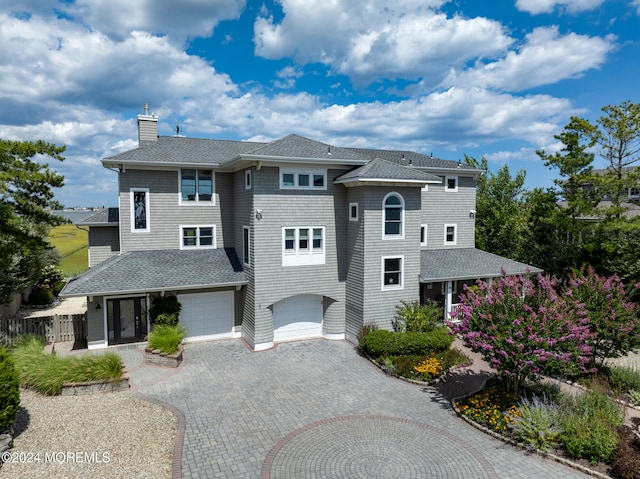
(147, 126)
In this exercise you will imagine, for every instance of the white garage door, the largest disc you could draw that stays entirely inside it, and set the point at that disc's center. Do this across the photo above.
(207, 315)
(297, 317)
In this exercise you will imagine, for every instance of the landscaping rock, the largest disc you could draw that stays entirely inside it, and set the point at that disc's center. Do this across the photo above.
(158, 358)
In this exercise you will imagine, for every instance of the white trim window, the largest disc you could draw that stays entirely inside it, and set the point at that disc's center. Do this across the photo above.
(197, 187)
(392, 273)
(353, 211)
(423, 235)
(197, 236)
(303, 245)
(140, 215)
(451, 184)
(393, 216)
(303, 179)
(247, 180)
(450, 234)
(246, 246)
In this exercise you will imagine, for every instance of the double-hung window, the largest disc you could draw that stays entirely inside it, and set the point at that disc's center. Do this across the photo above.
(196, 186)
(393, 216)
(450, 234)
(194, 237)
(392, 276)
(303, 245)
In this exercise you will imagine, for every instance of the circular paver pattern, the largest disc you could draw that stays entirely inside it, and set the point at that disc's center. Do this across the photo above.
(373, 447)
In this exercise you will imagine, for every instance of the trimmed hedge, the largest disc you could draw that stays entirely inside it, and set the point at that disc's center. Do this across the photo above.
(382, 343)
(9, 391)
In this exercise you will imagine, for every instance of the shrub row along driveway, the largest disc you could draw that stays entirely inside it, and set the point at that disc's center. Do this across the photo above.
(317, 409)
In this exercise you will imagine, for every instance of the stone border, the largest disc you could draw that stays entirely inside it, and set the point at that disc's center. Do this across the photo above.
(158, 358)
(93, 387)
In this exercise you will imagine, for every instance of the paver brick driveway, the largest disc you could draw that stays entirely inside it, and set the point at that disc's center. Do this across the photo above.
(317, 409)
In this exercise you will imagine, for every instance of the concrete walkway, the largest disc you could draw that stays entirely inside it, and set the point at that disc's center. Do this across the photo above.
(316, 409)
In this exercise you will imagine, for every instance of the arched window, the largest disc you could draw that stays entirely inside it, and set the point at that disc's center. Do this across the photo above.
(393, 216)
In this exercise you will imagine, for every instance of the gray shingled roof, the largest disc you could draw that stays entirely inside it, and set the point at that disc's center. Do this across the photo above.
(103, 217)
(295, 146)
(383, 169)
(167, 270)
(412, 158)
(181, 150)
(467, 263)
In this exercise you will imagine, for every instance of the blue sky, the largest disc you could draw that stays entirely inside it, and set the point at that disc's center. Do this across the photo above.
(498, 79)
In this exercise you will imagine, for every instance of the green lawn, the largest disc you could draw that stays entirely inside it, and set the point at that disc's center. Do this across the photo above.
(72, 243)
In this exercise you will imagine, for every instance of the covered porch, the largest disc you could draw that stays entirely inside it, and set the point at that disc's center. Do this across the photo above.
(444, 272)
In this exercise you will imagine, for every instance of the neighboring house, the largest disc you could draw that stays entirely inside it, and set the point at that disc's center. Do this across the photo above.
(275, 241)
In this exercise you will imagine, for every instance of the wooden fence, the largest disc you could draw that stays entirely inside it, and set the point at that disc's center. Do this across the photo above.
(58, 328)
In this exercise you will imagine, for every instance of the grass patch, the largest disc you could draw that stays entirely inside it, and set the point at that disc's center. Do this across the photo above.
(166, 338)
(46, 373)
(72, 244)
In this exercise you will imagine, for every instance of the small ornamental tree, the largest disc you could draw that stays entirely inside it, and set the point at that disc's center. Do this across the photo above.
(521, 329)
(614, 320)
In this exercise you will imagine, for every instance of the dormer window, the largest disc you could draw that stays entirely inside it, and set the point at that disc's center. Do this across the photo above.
(393, 216)
(196, 186)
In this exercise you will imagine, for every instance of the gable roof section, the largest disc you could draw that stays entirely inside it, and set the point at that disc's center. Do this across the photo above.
(467, 263)
(383, 171)
(166, 270)
(104, 217)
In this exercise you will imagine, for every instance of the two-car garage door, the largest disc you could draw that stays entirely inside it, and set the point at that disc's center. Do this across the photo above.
(207, 315)
(297, 317)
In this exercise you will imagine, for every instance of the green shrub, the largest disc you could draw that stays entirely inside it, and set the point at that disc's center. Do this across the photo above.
(589, 424)
(416, 317)
(166, 338)
(538, 423)
(47, 373)
(40, 296)
(9, 391)
(405, 365)
(380, 343)
(166, 306)
(624, 379)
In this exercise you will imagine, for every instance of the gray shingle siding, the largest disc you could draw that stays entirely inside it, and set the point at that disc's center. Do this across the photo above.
(166, 212)
(104, 242)
(291, 208)
(440, 207)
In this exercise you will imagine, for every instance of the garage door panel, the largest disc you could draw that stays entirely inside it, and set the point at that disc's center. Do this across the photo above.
(297, 317)
(207, 315)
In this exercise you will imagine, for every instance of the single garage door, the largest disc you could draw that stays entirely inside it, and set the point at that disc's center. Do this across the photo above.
(297, 317)
(207, 315)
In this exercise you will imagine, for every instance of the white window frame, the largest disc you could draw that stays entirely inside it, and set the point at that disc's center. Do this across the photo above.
(298, 256)
(197, 201)
(393, 287)
(384, 217)
(423, 236)
(147, 207)
(455, 234)
(246, 246)
(197, 228)
(247, 180)
(296, 172)
(353, 217)
(446, 183)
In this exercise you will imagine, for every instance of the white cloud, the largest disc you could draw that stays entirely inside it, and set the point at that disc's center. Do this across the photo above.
(545, 58)
(636, 5)
(176, 18)
(535, 7)
(368, 40)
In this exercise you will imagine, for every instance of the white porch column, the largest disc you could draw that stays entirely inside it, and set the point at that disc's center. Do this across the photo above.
(448, 300)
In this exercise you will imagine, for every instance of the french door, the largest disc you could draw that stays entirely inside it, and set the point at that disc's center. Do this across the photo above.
(127, 320)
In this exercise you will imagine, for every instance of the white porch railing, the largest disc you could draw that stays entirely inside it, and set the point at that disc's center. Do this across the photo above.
(453, 308)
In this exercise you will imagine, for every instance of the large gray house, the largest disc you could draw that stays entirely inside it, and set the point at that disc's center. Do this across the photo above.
(277, 241)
